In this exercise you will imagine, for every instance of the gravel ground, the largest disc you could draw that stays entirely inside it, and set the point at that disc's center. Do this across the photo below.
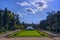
(30, 38)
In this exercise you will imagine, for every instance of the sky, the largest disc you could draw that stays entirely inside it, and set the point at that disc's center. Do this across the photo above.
(31, 10)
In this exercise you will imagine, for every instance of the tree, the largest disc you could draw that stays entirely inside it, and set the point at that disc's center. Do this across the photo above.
(1, 21)
(8, 20)
(51, 19)
(43, 24)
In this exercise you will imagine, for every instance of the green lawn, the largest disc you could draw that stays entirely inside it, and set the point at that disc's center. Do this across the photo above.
(29, 33)
(1, 33)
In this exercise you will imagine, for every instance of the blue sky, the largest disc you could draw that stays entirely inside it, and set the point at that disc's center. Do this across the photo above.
(31, 10)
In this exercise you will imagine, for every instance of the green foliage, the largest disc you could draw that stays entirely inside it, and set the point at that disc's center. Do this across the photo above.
(43, 24)
(53, 21)
(8, 20)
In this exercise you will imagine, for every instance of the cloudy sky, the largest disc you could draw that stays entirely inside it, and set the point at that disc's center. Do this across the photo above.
(31, 10)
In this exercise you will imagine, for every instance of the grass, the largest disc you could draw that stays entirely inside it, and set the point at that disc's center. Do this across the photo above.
(29, 33)
(1, 33)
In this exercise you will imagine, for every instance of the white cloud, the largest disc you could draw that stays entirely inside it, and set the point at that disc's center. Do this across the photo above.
(40, 4)
(20, 15)
(48, 0)
(30, 10)
(23, 3)
(24, 13)
(35, 10)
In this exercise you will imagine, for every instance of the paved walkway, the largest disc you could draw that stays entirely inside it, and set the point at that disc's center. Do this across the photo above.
(30, 38)
(7, 33)
(53, 34)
